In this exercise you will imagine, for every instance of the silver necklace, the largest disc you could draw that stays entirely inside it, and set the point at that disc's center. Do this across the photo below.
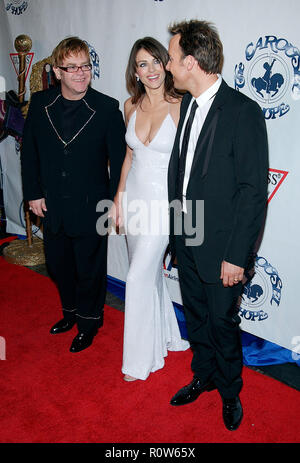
(76, 135)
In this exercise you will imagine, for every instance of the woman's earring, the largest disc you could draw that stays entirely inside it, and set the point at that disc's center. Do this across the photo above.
(137, 78)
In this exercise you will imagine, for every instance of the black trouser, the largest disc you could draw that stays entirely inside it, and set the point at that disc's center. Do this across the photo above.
(78, 265)
(212, 321)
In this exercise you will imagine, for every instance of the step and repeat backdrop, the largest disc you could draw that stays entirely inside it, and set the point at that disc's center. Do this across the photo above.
(262, 59)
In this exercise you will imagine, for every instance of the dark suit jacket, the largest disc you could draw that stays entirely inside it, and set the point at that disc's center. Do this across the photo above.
(229, 172)
(72, 177)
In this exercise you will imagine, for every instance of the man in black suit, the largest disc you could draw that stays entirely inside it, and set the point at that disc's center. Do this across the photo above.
(71, 133)
(220, 157)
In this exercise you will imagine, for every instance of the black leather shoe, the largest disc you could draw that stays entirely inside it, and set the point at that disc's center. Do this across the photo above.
(82, 341)
(232, 413)
(191, 392)
(62, 326)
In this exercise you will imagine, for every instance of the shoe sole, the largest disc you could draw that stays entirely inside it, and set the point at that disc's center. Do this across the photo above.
(130, 380)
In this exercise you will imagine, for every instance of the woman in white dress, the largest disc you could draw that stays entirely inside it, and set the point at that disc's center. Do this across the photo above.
(151, 116)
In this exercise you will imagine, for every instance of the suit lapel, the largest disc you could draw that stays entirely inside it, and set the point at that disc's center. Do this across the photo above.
(54, 114)
(173, 165)
(185, 105)
(206, 136)
(207, 133)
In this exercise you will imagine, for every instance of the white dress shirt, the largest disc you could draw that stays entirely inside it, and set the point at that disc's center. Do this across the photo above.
(204, 103)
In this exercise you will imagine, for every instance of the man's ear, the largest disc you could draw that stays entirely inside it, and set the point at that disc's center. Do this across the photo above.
(57, 72)
(190, 62)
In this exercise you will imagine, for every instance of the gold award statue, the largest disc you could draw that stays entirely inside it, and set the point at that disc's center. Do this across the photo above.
(28, 252)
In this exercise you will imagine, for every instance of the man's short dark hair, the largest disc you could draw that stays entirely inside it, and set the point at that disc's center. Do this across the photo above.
(201, 40)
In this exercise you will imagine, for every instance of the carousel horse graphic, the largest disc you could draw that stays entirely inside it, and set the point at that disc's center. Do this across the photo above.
(252, 292)
(268, 82)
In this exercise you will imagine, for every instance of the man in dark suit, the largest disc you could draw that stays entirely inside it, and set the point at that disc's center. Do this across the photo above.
(220, 157)
(71, 133)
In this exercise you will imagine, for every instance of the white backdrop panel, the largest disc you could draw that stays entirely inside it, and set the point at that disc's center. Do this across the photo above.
(269, 307)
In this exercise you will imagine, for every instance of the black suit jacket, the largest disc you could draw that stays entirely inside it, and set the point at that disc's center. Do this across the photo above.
(72, 177)
(229, 172)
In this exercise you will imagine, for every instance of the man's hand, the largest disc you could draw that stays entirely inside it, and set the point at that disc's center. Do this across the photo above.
(231, 274)
(38, 206)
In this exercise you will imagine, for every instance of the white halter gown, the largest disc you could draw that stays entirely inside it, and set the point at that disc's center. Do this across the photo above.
(151, 327)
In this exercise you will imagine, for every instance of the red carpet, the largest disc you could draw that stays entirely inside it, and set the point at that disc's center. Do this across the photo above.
(51, 395)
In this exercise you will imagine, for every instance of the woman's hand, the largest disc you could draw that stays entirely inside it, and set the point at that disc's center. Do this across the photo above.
(116, 212)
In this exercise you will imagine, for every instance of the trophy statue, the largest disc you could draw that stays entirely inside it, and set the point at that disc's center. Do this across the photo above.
(23, 46)
(28, 252)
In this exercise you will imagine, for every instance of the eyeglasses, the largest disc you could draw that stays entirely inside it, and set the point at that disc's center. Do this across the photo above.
(84, 67)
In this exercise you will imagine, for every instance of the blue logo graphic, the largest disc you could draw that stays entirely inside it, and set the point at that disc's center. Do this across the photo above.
(271, 72)
(95, 61)
(17, 7)
(239, 76)
(268, 83)
(253, 292)
(262, 293)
